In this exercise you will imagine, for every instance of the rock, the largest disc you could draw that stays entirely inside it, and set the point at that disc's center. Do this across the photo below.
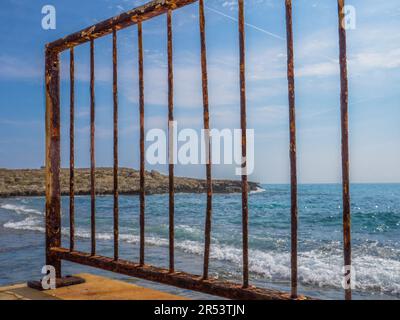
(32, 183)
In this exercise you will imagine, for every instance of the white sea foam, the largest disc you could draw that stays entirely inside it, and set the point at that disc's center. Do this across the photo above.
(30, 223)
(20, 209)
(189, 230)
(258, 190)
(129, 238)
(320, 267)
(316, 267)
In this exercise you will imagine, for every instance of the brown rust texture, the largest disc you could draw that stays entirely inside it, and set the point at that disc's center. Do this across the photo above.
(293, 155)
(344, 106)
(142, 149)
(115, 98)
(92, 154)
(206, 119)
(147, 11)
(183, 280)
(170, 144)
(243, 124)
(72, 152)
(53, 191)
(54, 252)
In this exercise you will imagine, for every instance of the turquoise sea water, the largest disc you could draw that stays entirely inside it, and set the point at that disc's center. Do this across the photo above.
(375, 237)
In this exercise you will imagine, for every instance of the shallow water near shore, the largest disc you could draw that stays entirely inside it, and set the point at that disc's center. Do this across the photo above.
(375, 237)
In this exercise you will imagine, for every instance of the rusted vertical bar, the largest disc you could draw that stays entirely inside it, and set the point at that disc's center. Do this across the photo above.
(53, 191)
(206, 117)
(345, 145)
(243, 124)
(92, 154)
(72, 152)
(142, 164)
(170, 144)
(293, 155)
(115, 94)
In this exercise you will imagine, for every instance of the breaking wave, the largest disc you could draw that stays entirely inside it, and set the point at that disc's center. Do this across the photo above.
(320, 267)
(258, 190)
(375, 226)
(30, 223)
(20, 209)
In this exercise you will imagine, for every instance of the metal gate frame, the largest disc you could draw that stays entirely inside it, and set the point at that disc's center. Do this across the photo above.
(55, 253)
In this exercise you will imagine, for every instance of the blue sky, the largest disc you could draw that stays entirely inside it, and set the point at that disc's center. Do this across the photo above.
(374, 78)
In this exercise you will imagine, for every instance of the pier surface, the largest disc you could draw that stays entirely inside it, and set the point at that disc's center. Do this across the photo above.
(95, 288)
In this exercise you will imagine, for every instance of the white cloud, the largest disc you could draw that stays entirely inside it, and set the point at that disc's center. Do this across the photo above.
(376, 60)
(322, 69)
(15, 68)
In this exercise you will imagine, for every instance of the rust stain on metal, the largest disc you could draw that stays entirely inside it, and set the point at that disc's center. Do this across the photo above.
(115, 98)
(92, 154)
(147, 11)
(142, 149)
(206, 119)
(53, 191)
(344, 106)
(170, 147)
(72, 152)
(183, 280)
(293, 155)
(243, 124)
(54, 252)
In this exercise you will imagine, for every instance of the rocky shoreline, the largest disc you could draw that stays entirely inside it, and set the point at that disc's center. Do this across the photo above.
(31, 182)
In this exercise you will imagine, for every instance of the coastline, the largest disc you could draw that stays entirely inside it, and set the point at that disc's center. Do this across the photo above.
(375, 224)
(31, 183)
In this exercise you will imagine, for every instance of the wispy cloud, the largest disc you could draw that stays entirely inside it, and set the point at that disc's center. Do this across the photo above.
(230, 4)
(18, 68)
(376, 60)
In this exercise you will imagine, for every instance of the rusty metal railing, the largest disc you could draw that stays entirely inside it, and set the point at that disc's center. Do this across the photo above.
(55, 253)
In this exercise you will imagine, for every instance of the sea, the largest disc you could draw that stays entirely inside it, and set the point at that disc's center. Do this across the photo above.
(375, 238)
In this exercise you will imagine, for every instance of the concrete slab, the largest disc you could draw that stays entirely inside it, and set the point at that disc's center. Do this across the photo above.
(95, 288)
(22, 292)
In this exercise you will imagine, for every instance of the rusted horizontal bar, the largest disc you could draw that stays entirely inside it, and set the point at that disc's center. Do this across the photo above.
(124, 20)
(178, 279)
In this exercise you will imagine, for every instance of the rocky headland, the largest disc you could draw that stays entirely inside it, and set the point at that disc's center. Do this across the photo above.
(31, 182)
